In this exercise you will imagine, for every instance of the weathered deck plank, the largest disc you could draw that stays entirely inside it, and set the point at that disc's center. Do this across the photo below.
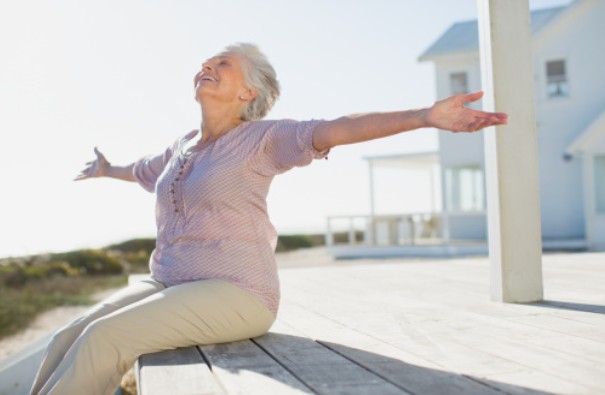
(323, 370)
(176, 372)
(406, 370)
(244, 368)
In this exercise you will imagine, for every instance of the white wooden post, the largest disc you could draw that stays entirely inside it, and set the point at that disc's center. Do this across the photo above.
(511, 155)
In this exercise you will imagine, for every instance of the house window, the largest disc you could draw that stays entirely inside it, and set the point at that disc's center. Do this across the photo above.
(458, 83)
(464, 188)
(599, 182)
(556, 78)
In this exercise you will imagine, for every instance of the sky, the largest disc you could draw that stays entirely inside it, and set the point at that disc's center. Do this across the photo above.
(118, 75)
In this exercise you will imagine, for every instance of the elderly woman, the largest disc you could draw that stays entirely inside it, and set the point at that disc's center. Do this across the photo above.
(213, 272)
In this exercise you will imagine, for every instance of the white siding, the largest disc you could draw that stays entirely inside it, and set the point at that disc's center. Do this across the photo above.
(562, 119)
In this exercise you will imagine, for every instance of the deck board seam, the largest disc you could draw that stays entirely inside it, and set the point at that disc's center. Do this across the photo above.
(437, 364)
(204, 357)
(217, 379)
(407, 390)
(284, 366)
(481, 382)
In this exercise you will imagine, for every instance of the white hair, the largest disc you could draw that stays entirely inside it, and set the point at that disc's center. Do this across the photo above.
(259, 76)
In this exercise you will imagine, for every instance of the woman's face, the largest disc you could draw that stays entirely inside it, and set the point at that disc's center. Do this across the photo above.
(221, 77)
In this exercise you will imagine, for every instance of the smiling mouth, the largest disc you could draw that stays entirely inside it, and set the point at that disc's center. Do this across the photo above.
(207, 78)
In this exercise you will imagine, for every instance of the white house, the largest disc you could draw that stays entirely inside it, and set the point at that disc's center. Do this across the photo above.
(569, 70)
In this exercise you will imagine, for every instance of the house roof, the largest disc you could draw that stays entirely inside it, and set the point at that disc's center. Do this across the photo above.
(464, 36)
(588, 137)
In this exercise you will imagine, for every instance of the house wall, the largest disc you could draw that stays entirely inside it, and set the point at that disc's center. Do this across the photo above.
(596, 220)
(599, 146)
(562, 119)
(460, 149)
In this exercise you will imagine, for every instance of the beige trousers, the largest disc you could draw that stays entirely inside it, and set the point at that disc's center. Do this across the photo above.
(91, 354)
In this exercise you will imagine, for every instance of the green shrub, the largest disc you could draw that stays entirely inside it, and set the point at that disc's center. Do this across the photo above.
(50, 269)
(135, 252)
(295, 242)
(134, 245)
(12, 275)
(343, 237)
(20, 305)
(91, 262)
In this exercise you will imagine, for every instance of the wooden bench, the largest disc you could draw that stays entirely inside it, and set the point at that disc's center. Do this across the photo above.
(289, 360)
(286, 362)
(276, 363)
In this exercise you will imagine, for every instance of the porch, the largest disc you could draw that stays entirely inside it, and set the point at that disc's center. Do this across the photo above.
(408, 327)
(421, 234)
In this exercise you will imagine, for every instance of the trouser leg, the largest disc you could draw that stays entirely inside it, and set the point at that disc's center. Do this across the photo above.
(65, 337)
(200, 312)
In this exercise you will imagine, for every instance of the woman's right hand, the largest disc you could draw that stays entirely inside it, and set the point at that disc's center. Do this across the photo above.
(96, 168)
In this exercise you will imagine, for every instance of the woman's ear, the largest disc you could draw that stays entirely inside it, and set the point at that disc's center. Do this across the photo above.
(248, 95)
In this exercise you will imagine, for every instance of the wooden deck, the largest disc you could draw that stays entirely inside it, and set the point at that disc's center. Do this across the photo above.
(409, 327)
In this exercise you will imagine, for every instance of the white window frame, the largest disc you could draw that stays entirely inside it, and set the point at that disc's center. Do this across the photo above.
(454, 199)
(560, 81)
(455, 85)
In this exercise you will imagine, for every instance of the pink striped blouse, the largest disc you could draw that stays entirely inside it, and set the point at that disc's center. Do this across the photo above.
(211, 209)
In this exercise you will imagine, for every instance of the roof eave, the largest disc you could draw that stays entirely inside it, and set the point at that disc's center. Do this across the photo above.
(588, 137)
(448, 55)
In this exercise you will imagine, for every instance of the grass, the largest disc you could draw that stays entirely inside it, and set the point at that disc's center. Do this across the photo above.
(20, 305)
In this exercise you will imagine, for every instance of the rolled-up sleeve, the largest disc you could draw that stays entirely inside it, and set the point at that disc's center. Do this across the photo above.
(287, 144)
(147, 170)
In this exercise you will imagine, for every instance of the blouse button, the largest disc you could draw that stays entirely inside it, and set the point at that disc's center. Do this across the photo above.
(176, 179)
(176, 210)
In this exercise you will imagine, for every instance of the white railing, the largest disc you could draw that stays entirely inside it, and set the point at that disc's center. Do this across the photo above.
(393, 230)
(396, 229)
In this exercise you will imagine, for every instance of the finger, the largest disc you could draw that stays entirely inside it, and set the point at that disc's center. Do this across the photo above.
(99, 154)
(471, 97)
(493, 121)
(477, 124)
(498, 120)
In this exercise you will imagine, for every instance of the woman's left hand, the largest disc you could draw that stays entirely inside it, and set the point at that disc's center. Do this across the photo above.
(452, 114)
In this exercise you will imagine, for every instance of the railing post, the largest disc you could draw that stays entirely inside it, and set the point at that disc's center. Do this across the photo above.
(351, 231)
(368, 235)
(329, 235)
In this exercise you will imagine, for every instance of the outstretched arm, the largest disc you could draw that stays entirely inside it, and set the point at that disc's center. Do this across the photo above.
(448, 114)
(100, 167)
